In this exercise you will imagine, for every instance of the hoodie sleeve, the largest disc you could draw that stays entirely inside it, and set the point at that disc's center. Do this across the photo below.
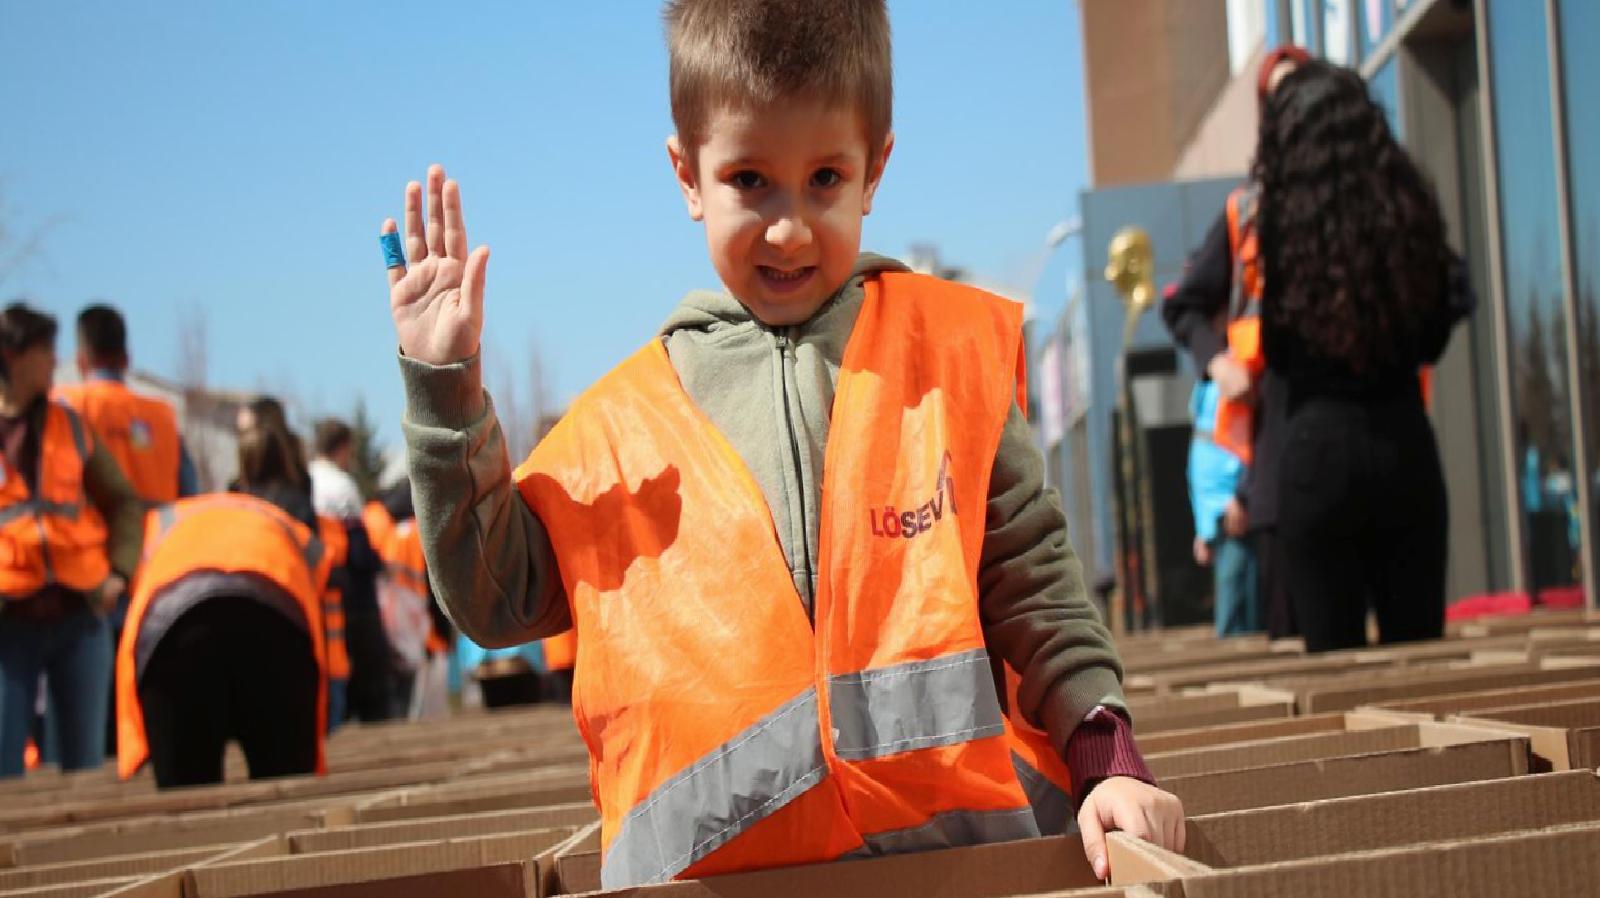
(1036, 610)
(490, 561)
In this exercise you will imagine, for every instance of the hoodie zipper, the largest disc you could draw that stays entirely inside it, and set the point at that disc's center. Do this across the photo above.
(785, 345)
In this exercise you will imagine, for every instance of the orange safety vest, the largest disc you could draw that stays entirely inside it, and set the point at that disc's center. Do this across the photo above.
(561, 650)
(53, 534)
(407, 566)
(1235, 427)
(140, 432)
(379, 525)
(726, 731)
(337, 544)
(217, 534)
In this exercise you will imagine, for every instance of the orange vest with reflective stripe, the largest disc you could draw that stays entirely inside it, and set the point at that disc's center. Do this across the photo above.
(337, 545)
(140, 432)
(561, 650)
(52, 534)
(725, 730)
(221, 533)
(405, 562)
(1235, 428)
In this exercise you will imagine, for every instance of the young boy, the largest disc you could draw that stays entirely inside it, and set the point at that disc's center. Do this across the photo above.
(825, 606)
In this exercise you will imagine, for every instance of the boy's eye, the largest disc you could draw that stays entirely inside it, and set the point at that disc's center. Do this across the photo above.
(747, 180)
(827, 177)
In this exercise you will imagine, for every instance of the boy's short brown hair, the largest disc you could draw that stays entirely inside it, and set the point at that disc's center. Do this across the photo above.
(739, 52)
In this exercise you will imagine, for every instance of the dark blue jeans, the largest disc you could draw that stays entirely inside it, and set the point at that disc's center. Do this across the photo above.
(75, 652)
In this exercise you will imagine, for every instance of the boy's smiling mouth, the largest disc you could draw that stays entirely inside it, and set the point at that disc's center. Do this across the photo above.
(783, 280)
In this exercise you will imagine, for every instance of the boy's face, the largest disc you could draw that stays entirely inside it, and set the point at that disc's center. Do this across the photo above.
(782, 190)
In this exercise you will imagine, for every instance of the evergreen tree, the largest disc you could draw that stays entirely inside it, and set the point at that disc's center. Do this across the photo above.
(366, 457)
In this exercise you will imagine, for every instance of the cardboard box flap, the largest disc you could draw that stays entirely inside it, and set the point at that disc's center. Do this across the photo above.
(1282, 750)
(88, 889)
(1463, 702)
(562, 820)
(1335, 826)
(1573, 714)
(142, 864)
(1134, 862)
(1562, 862)
(1357, 775)
(1180, 740)
(230, 880)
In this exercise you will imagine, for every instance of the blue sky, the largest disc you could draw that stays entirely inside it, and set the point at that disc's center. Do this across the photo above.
(238, 158)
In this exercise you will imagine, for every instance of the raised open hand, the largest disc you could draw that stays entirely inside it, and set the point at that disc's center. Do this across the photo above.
(437, 300)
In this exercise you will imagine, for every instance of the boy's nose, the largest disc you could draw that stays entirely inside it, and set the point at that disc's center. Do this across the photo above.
(788, 232)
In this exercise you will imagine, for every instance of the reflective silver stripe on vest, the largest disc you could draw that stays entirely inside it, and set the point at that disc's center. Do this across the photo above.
(923, 704)
(697, 811)
(68, 510)
(953, 829)
(1052, 808)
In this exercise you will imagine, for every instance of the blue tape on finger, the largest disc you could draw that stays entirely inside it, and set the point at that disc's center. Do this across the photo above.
(393, 255)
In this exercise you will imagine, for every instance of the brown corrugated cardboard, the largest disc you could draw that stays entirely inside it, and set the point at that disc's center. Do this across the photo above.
(1461, 703)
(73, 890)
(1134, 862)
(108, 867)
(1203, 737)
(563, 818)
(1323, 694)
(1336, 736)
(578, 862)
(1267, 670)
(983, 871)
(445, 806)
(1360, 775)
(1393, 819)
(164, 885)
(228, 880)
(162, 833)
(1559, 863)
(1522, 623)
(1564, 735)
(514, 879)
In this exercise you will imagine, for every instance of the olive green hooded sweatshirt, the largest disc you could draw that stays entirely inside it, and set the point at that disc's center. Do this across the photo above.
(770, 392)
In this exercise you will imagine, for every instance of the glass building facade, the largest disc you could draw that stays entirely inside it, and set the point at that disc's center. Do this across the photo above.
(1500, 102)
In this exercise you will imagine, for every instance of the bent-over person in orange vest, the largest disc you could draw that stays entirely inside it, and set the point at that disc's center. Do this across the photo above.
(826, 607)
(224, 640)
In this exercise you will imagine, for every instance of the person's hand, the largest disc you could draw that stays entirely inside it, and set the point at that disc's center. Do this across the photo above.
(1231, 377)
(1235, 520)
(1138, 809)
(106, 596)
(1202, 552)
(437, 298)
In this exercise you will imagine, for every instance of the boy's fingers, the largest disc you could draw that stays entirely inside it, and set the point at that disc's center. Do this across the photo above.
(472, 279)
(455, 227)
(436, 210)
(396, 272)
(1094, 842)
(416, 246)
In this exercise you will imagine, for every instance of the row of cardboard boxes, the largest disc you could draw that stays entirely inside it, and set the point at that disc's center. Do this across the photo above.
(1463, 767)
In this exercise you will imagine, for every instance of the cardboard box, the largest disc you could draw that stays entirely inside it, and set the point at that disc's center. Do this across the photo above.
(565, 819)
(1444, 757)
(1564, 735)
(242, 878)
(578, 863)
(1264, 671)
(1249, 731)
(120, 866)
(1393, 819)
(1316, 695)
(1054, 866)
(1211, 708)
(1360, 735)
(1462, 703)
(1563, 862)
(414, 807)
(167, 832)
(1522, 623)
(73, 890)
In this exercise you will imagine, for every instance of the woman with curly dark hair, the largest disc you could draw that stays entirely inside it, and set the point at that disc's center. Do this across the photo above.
(1359, 292)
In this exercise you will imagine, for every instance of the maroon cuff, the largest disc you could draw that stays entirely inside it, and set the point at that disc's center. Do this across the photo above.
(1102, 747)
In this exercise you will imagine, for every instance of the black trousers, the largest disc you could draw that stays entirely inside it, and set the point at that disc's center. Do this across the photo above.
(1362, 521)
(230, 668)
(372, 673)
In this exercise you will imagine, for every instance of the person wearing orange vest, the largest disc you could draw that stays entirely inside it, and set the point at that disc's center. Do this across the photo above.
(418, 630)
(224, 640)
(1214, 313)
(140, 431)
(560, 657)
(71, 527)
(825, 605)
(336, 542)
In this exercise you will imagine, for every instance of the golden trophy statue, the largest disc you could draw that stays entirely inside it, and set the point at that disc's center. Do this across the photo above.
(1130, 267)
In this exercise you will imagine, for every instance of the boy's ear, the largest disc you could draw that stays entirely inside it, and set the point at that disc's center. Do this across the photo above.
(875, 176)
(683, 171)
